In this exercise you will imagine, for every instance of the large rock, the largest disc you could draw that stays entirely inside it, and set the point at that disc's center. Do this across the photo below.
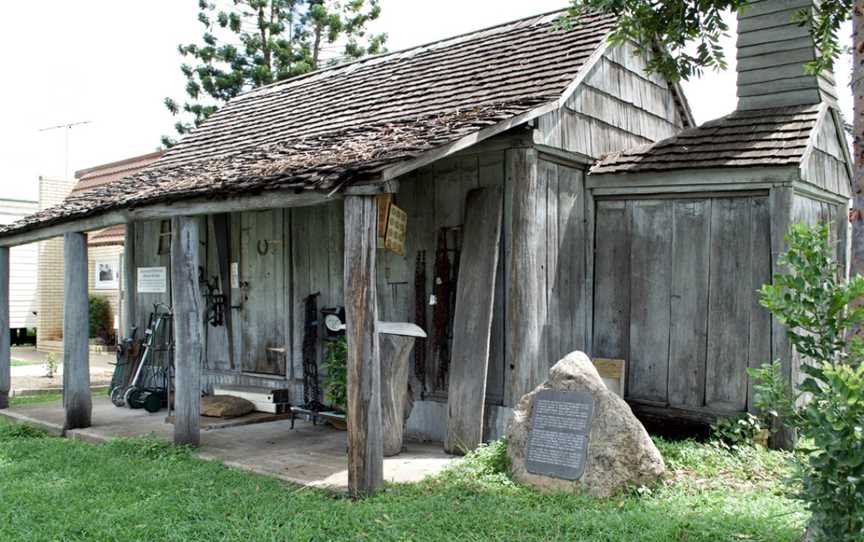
(620, 452)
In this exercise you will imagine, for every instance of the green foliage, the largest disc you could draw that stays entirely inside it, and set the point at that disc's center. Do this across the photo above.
(101, 318)
(50, 365)
(149, 447)
(814, 304)
(11, 431)
(772, 394)
(336, 366)
(736, 431)
(250, 43)
(670, 30)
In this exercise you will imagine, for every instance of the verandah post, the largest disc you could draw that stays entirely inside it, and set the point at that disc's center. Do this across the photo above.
(5, 339)
(129, 281)
(76, 333)
(188, 330)
(365, 437)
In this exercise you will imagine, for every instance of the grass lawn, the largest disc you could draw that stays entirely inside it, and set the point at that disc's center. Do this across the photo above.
(141, 489)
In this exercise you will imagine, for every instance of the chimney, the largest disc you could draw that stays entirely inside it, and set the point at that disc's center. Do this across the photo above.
(772, 51)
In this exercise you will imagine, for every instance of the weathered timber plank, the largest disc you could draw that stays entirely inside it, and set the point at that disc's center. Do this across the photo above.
(365, 438)
(472, 324)
(611, 327)
(773, 19)
(769, 35)
(491, 173)
(76, 333)
(567, 305)
(5, 335)
(729, 305)
(396, 402)
(760, 265)
(784, 99)
(689, 303)
(775, 58)
(188, 330)
(130, 279)
(262, 264)
(780, 208)
(650, 258)
(526, 274)
(552, 329)
(301, 287)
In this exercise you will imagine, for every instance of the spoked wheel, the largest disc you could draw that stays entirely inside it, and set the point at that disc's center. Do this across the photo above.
(118, 396)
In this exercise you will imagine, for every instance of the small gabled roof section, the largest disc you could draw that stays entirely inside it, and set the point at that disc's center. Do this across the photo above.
(350, 122)
(765, 137)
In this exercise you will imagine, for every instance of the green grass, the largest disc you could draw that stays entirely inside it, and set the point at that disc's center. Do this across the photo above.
(23, 400)
(141, 489)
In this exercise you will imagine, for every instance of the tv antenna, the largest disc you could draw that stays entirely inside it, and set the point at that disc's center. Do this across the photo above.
(66, 128)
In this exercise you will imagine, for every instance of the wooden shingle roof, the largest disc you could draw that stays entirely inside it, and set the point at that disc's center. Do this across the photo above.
(345, 124)
(765, 137)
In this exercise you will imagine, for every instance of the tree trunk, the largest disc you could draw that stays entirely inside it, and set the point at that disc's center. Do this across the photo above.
(857, 264)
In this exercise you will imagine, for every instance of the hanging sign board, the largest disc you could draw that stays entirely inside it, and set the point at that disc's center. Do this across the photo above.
(235, 275)
(152, 280)
(397, 223)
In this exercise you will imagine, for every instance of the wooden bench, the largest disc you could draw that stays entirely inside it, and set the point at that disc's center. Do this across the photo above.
(326, 415)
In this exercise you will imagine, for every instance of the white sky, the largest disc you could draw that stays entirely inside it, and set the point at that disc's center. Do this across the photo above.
(112, 62)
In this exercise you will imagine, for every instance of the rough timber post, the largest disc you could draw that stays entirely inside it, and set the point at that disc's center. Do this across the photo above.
(5, 339)
(76, 333)
(129, 280)
(365, 438)
(525, 272)
(188, 330)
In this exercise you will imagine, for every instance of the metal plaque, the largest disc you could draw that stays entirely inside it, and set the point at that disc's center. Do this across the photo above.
(558, 438)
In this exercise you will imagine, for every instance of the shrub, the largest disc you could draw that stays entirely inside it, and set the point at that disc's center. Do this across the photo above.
(813, 302)
(101, 319)
(336, 366)
(736, 431)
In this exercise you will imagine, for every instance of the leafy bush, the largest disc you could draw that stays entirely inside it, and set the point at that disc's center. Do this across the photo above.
(813, 302)
(737, 431)
(336, 366)
(101, 319)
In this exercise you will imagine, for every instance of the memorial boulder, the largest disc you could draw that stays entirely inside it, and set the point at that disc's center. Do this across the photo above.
(572, 434)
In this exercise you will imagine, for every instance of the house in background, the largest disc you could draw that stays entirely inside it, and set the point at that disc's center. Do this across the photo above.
(23, 297)
(104, 254)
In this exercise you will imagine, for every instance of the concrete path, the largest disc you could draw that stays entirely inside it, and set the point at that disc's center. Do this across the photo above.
(29, 378)
(309, 455)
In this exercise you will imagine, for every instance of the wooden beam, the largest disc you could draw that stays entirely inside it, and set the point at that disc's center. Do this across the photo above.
(76, 333)
(130, 281)
(472, 323)
(5, 338)
(365, 438)
(188, 329)
(167, 211)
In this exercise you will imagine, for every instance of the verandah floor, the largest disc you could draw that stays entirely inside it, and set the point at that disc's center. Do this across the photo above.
(310, 455)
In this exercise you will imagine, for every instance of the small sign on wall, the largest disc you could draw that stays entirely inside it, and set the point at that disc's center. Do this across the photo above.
(152, 280)
(397, 225)
(107, 275)
(235, 275)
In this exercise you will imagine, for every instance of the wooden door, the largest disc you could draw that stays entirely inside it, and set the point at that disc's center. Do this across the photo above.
(264, 314)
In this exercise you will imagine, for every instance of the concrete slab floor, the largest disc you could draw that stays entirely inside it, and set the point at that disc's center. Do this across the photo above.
(310, 455)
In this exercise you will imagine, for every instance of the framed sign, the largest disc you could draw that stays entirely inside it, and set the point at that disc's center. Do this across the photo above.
(106, 275)
(152, 280)
(397, 223)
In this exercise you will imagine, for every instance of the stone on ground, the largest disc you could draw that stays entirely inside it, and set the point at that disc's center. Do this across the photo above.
(225, 406)
(620, 452)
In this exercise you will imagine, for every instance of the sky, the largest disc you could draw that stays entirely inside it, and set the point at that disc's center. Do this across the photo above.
(112, 62)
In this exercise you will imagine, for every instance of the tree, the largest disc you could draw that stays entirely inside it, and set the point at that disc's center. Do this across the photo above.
(668, 28)
(250, 43)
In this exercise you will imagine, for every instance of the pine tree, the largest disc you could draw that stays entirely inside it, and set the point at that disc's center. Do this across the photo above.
(250, 43)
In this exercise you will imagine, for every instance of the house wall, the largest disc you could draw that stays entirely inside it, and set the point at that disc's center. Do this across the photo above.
(826, 166)
(49, 321)
(618, 106)
(23, 263)
(675, 296)
(95, 255)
